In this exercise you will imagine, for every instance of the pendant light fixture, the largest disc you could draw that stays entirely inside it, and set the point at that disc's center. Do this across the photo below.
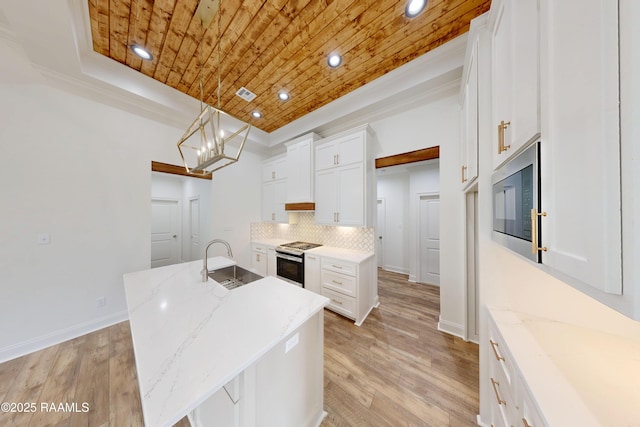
(202, 147)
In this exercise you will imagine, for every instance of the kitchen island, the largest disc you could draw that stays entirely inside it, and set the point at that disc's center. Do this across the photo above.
(252, 355)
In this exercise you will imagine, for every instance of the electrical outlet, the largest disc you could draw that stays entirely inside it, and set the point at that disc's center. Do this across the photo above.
(292, 342)
(44, 238)
(101, 302)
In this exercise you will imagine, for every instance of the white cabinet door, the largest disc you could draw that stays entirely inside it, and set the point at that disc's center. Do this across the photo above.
(274, 194)
(515, 68)
(580, 150)
(326, 198)
(275, 168)
(470, 120)
(268, 195)
(300, 172)
(312, 273)
(259, 262)
(280, 197)
(350, 191)
(350, 149)
(325, 156)
(272, 266)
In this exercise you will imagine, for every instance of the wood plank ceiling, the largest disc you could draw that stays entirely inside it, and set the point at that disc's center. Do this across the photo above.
(268, 46)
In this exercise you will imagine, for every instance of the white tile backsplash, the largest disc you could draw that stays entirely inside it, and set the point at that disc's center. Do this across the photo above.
(306, 230)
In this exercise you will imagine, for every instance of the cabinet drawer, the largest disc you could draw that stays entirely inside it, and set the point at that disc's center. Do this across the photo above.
(339, 266)
(530, 412)
(339, 282)
(502, 400)
(257, 247)
(340, 303)
(500, 357)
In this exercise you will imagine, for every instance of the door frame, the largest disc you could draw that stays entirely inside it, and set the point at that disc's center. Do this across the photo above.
(189, 225)
(471, 267)
(380, 239)
(417, 225)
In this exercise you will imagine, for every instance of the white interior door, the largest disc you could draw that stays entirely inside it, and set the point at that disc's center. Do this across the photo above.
(429, 214)
(380, 232)
(165, 223)
(194, 228)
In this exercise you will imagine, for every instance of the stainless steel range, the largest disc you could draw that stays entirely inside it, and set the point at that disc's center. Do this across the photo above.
(290, 261)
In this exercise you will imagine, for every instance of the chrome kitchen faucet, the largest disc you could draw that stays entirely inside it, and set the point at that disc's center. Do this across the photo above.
(205, 270)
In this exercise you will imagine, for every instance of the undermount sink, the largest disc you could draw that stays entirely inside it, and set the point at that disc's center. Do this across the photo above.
(233, 276)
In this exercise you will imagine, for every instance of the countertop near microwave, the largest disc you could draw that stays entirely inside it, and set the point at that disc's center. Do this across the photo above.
(579, 376)
(190, 338)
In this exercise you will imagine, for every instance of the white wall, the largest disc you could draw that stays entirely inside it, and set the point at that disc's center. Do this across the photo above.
(81, 171)
(237, 202)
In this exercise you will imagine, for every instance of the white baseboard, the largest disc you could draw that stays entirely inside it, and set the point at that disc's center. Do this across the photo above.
(56, 337)
(395, 269)
(451, 328)
(480, 422)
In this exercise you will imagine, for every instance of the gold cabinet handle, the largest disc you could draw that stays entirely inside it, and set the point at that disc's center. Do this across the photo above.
(464, 168)
(501, 128)
(336, 282)
(534, 231)
(336, 301)
(494, 346)
(525, 423)
(495, 383)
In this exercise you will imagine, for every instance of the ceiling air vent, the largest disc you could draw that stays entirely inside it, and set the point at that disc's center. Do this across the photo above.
(246, 94)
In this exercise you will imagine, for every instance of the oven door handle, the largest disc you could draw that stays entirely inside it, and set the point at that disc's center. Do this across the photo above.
(288, 257)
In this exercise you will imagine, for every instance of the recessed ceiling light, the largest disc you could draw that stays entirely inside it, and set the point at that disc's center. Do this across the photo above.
(141, 52)
(334, 60)
(284, 96)
(256, 114)
(414, 7)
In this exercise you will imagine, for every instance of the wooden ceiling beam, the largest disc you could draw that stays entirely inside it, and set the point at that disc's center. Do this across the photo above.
(421, 155)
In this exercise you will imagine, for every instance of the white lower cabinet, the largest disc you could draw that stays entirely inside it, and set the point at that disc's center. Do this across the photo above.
(312, 273)
(349, 287)
(511, 404)
(259, 259)
(223, 407)
(283, 388)
(272, 262)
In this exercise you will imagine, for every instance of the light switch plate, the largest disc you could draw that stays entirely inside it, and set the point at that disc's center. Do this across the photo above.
(44, 238)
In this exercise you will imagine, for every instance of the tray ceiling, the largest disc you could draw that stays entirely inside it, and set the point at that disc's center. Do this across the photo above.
(274, 45)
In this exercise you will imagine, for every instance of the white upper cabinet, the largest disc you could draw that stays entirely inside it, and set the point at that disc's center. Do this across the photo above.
(274, 169)
(300, 164)
(274, 190)
(515, 69)
(341, 151)
(476, 78)
(345, 180)
(580, 148)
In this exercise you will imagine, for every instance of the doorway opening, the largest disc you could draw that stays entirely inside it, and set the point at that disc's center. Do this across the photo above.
(186, 203)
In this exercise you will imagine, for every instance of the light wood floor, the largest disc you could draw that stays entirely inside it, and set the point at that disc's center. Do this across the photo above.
(394, 370)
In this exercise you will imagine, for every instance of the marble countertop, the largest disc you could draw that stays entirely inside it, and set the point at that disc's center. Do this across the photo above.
(579, 376)
(340, 253)
(190, 338)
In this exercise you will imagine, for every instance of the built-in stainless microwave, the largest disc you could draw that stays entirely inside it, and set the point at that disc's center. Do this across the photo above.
(516, 203)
